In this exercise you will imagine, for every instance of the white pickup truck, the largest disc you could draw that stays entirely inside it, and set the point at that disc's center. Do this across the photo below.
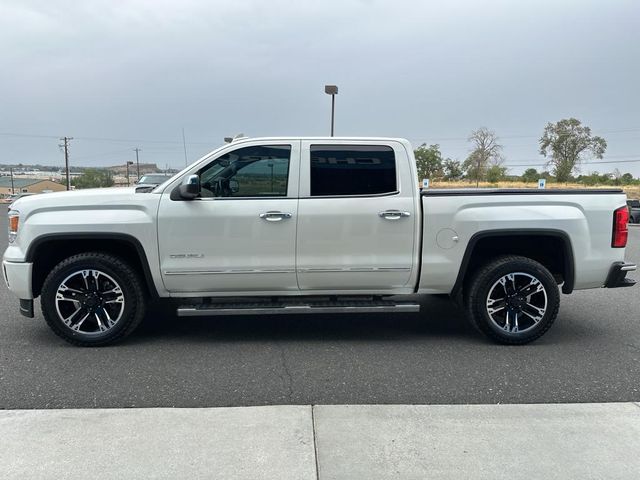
(310, 225)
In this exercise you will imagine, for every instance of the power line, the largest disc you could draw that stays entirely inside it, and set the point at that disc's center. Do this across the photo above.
(28, 135)
(178, 142)
(626, 130)
(103, 139)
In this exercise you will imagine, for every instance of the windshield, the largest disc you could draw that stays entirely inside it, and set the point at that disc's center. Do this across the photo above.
(154, 179)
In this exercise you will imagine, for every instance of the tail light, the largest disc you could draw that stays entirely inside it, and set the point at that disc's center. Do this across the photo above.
(620, 228)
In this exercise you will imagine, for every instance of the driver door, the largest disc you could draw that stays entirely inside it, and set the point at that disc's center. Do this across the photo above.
(239, 234)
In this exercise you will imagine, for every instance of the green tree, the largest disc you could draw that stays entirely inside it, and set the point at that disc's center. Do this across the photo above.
(452, 169)
(93, 178)
(495, 173)
(566, 143)
(594, 178)
(530, 175)
(486, 152)
(626, 178)
(428, 161)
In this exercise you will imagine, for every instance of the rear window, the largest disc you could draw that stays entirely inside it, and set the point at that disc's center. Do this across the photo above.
(338, 170)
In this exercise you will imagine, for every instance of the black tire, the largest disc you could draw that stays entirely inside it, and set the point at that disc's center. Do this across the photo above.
(485, 286)
(97, 301)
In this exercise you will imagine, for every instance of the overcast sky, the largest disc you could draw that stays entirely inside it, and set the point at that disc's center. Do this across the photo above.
(119, 74)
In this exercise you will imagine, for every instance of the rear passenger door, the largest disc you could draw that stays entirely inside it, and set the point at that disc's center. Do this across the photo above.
(356, 218)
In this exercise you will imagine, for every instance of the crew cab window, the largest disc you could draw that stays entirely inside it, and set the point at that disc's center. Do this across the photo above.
(257, 171)
(339, 170)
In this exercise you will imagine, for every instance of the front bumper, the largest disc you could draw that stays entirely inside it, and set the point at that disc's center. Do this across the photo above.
(17, 275)
(618, 275)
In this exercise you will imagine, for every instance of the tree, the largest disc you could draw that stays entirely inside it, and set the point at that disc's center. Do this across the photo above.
(428, 161)
(452, 169)
(626, 178)
(495, 173)
(566, 142)
(530, 175)
(486, 152)
(93, 178)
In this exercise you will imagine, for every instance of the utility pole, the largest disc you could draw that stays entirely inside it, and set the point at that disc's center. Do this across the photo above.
(13, 190)
(137, 161)
(128, 163)
(184, 146)
(65, 145)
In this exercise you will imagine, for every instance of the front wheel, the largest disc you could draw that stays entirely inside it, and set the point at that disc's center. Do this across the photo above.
(92, 299)
(513, 300)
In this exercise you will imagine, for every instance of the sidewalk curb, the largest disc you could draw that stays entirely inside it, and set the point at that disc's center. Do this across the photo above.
(303, 442)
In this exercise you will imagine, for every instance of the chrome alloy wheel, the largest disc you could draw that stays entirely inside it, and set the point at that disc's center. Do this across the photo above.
(89, 301)
(516, 302)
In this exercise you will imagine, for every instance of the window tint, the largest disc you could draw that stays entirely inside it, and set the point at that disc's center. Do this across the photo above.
(352, 170)
(258, 171)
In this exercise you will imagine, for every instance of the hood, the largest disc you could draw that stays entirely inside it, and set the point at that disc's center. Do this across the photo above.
(103, 198)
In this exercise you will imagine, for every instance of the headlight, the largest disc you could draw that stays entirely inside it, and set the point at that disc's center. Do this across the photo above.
(14, 220)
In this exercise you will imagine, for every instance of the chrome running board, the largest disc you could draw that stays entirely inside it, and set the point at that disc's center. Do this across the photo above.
(301, 308)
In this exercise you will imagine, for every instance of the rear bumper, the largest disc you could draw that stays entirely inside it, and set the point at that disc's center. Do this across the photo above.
(618, 275)
(17, 275)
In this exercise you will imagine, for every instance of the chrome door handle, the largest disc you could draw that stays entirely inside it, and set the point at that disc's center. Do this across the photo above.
(273, 216)
(393, 214)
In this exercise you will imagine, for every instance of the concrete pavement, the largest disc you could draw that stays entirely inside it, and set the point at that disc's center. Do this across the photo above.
(563, 441)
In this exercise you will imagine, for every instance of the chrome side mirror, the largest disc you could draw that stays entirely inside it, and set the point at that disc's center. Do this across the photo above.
(190, 187)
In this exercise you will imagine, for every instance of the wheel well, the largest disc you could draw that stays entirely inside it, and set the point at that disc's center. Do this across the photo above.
(46, 254)
(553, 250)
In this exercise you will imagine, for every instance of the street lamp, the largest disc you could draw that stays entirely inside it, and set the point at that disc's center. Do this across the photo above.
(333, 91)
(128, 163)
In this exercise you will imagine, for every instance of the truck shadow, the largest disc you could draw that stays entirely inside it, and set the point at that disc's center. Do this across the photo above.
(439, 318)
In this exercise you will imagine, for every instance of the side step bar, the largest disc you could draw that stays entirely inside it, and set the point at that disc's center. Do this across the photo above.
(212, 309)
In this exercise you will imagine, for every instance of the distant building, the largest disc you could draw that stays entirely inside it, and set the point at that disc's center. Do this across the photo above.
(29, 185)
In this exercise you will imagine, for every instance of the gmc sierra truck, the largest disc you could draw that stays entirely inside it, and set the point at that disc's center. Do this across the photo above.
(310, 225)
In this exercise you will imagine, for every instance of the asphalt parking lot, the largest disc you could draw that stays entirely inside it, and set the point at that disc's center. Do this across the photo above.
(592, 354)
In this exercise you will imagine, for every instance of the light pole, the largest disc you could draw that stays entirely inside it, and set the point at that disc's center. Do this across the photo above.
(333, 91)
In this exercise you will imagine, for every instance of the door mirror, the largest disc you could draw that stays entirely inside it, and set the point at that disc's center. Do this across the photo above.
(190, 187)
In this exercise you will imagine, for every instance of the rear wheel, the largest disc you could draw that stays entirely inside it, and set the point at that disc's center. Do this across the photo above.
(92, 299)
(513, 300)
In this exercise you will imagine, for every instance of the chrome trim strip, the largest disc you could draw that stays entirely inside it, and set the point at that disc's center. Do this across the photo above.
(295, 309)
(224, 272)
(374, 195)
(354, 270)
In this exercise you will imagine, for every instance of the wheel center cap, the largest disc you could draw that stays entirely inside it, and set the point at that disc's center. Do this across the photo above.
(517, 302)
(92, 301)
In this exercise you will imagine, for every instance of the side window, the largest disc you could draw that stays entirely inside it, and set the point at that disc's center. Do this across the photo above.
(257, 171)
(352, 170)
